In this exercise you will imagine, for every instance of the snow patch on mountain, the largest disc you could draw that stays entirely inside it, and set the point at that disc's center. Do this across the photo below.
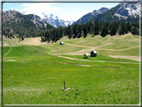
(128, 9)
(54, 20)
(100, 11)
(38, 21)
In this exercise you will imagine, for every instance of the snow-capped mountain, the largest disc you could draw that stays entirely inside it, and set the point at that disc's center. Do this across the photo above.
(88, 16)
(54, 20)
(128, 9)
(100, 11)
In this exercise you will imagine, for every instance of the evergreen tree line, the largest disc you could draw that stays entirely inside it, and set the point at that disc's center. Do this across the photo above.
(94, 28)
(19, 30)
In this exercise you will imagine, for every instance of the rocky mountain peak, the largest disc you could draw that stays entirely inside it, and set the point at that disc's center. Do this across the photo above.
(38, 21)
(128, 9)
(100, 11)
(16, 16)
(55, 20)
(90, 15)
(9, 15)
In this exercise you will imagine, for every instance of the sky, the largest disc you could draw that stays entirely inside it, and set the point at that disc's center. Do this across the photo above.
(65, 11)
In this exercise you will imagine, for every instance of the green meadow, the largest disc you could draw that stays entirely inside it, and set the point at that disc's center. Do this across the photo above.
(35, 74)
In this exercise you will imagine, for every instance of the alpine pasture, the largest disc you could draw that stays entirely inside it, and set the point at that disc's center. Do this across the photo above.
(34, 72)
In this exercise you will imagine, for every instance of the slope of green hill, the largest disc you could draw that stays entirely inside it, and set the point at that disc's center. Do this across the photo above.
(34, 72)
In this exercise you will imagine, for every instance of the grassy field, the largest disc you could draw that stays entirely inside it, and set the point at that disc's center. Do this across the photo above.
(34, 74)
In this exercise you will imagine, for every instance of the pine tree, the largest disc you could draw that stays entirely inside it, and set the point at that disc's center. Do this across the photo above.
(121, 29)
(106, 27)
(70, 31)
(133, 30)
(8, 35)
(128, 26)
(42, 39)
(22, 38)
(96, 28)
(80, 30)
(11, 35)
(103, 34)
(125, 29)
(93, 29)
(112, 30)
(49, 37)
(69, 36)
(89, 24)
(65, 30)
(85, 30)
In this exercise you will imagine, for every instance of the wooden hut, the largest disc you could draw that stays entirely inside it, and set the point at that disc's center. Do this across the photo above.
(86, 55)
(93, 53)
(61, 43)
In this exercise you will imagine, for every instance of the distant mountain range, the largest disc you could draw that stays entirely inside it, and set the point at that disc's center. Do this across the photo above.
(19, 24)
(123, 12)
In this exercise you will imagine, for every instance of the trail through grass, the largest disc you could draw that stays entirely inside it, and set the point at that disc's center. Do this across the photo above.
(8, 51)
(35, 74)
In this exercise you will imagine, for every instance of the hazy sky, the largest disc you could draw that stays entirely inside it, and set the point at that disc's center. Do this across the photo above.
(65, 11)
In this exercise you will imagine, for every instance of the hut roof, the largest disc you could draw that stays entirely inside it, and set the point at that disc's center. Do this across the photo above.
(61, 42)
(86, 54)
(94, 51)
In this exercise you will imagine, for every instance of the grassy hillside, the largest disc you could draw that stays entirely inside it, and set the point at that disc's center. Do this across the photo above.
(109, 45)
(33, 73)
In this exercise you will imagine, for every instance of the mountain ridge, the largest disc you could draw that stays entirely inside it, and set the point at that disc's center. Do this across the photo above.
(53, 20)
(128, 9)
(123, 12)
(19, 24)
(84, 19)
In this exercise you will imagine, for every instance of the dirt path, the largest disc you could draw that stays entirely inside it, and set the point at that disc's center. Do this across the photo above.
(89, 46)
(120, 49)
(78, 45)
(95, 61)
(135, 58)
(8, 51)
(79, 59)
(82, 59)
(102, 46)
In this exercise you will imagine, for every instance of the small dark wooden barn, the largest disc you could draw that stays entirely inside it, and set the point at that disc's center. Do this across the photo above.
(93, 53)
